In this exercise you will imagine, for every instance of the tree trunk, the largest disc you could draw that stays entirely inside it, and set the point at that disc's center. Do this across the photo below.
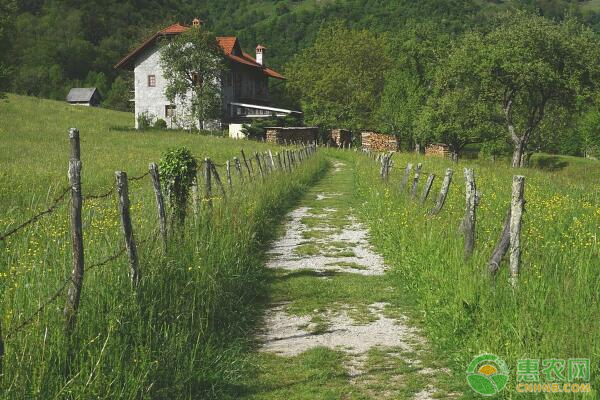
(518, 152)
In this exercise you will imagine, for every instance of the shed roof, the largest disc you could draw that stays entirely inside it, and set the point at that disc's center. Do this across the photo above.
(79, 95)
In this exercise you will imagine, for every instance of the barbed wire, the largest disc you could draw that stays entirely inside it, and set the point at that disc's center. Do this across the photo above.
(49, 210)
(58, 292)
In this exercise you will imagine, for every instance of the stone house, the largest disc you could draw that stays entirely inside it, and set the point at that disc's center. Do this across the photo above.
(244, 86)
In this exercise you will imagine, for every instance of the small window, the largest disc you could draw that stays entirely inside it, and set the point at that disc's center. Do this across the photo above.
(197, 80)
(151, 80)
(169, 111)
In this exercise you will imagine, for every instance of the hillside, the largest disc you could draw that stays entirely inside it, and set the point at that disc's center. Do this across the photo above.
(83, 40)
(34, 147)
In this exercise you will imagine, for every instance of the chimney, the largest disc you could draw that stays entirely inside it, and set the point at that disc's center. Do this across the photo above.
(197, 22)
(260, 53)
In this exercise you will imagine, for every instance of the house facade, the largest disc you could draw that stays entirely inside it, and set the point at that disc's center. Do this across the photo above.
(244, 86)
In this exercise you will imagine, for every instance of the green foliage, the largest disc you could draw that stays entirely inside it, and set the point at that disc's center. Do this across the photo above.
(340, 77)
(119, 95)
(416, 51)
(256, 129)
(144, 121)
(521, 69)
(178, 169)
(160, 124)
(193, 62)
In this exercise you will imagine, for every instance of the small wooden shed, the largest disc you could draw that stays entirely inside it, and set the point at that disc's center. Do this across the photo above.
(374, 141)
(284, 135)
(89, 97)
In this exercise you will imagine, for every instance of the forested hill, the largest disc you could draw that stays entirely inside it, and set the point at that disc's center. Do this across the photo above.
(50, 45)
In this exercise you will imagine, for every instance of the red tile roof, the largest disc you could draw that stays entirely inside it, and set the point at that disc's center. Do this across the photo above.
(227, 43)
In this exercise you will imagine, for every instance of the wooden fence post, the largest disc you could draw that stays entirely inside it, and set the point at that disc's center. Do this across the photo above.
(218, 179)
(1, 352)
(160, 203)
(76, 282)
(406, 176)
(502, 245)
(228, 170)
(272, 160)
(279, 166)
(195, 197)
(207, 182)
(123, 191)
(468, 223)
(443, 192)
(246, 164)
(427, 188)
(415, 183)
(238, 168)
(516, 213)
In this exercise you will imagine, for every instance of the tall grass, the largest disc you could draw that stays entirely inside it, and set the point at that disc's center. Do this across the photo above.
(183, 335)
(554, 311)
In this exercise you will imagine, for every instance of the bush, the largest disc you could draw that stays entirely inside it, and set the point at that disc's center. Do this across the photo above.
(178, 171)
(144, 121)
(160, 124)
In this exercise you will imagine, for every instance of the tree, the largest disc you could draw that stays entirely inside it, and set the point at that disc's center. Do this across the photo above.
(193, 64)
(340, 77)
(526, 66)
(118, 96)
(7, 11)
(415, 52)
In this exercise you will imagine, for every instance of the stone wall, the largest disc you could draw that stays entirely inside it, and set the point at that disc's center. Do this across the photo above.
(281, 135)
(376, 142)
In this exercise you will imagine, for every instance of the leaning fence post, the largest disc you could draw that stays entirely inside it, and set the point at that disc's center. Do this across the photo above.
(123, 191)
(246, 164)
(427, 188)
(279, 166)
(217, 178)
(468, 223)
(272, 160)
(443, 192)
(160, 203)
(207, 182)
(406, 175)
(516, 213)
(415, 183)
(76, 282)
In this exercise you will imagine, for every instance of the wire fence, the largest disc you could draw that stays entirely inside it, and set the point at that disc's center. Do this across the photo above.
(266, 163)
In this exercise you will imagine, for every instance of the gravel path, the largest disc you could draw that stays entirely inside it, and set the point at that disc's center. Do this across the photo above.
(289, 335)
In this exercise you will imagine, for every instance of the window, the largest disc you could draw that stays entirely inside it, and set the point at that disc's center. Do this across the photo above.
(169, 111)
(197, 79)
(151, 80)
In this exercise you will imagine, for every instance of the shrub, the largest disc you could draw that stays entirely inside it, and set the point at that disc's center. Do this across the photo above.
(178, 171)
(160, 124)
(144, 121)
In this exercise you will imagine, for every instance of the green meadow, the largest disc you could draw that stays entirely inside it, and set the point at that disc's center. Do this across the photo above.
(553, 312)
(184, 333)
(188, 331)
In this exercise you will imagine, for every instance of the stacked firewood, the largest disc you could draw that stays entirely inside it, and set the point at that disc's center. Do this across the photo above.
(438, 150)
(378, 142)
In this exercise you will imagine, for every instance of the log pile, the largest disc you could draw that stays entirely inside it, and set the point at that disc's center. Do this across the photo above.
(290, 135)
(378, 142)
(341, 137)
(438, 150)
